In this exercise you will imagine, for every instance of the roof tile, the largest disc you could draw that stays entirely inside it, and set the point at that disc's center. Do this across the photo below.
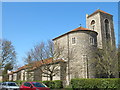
(77, 29)
(36, 64)
(97, 12)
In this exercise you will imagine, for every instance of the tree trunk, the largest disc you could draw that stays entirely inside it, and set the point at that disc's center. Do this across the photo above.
(51, 78)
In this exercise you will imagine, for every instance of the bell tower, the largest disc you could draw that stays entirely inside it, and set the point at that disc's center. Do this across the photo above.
(102, 23)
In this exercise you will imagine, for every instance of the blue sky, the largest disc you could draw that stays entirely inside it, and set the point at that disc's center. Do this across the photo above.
(28, 23)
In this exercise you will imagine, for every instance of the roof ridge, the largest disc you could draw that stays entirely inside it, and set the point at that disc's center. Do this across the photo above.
(98, 10)
(74, 30)
(79, 28)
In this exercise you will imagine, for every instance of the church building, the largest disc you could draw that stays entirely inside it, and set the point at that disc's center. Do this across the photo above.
(81, 43)
(78, 48)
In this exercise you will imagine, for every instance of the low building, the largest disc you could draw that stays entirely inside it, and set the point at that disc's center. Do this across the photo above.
(40, 71)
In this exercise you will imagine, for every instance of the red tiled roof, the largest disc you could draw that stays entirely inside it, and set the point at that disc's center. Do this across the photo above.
(74, 30)
(36, 64)
(97, 12)
(79, 28)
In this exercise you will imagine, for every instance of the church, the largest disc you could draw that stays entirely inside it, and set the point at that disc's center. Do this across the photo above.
(79, 46)
(81, 43)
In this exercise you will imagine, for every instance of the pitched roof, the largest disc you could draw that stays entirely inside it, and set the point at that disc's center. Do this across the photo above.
(74, 30)
(36, 64)
(79, 28)
(97, 11)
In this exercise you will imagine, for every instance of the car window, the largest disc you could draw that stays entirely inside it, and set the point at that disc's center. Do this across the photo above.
(4, 84)
(12, 84)
(27, 84)
(36, 84)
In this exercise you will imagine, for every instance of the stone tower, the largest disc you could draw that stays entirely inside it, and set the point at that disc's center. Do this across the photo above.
(79, 46)
(102, 23)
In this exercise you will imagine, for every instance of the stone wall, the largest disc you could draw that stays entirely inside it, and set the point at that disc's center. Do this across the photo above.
(73, 53)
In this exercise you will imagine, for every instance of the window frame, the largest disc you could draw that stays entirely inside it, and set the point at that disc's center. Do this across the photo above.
(92, 23)
(107, 28)
(73, 40)
(92, 41)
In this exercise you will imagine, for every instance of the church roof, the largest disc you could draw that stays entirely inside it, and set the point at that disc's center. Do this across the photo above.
(36, 64)
(74, 30)
(97, 11)
(79, 28)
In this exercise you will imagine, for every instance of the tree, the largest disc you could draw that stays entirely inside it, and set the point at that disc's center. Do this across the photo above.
(8, 55)
(51, 69)
(43, 51)
(7, 67)
(106, 62)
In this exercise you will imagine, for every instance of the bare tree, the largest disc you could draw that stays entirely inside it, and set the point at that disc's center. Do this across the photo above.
(8, 56)
(106, 62)
(48, 56)
(8, 53)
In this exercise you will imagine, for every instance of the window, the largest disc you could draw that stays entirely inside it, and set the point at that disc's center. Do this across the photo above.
(4, 84)
(38, 84)
(12, 84)
(93, 24)
(73, 40)
(91, 41)
(107, 28)
(27, 84)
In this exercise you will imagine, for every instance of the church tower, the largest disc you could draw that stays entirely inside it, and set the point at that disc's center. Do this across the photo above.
(102, 23)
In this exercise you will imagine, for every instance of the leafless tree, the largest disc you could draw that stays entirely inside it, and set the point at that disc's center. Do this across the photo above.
(106, 62)
(7, 57)
(48, 56)
(8, 53)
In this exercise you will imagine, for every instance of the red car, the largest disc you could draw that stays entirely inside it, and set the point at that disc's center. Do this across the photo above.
(33, 86)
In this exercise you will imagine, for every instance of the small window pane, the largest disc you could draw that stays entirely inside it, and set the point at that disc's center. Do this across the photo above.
(73, 40)
(93, 22)
(92, 41)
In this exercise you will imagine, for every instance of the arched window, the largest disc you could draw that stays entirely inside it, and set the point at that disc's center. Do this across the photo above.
(107, 29)
(93, 24)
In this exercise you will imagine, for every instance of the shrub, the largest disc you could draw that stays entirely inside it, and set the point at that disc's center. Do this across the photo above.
(106, 83)
(54, 84)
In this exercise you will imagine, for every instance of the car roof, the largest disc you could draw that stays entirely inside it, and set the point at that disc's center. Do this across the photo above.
(32, 82)
(9, 82)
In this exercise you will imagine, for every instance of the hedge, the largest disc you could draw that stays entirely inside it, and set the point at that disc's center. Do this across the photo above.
(57, 84)
(106, 83)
